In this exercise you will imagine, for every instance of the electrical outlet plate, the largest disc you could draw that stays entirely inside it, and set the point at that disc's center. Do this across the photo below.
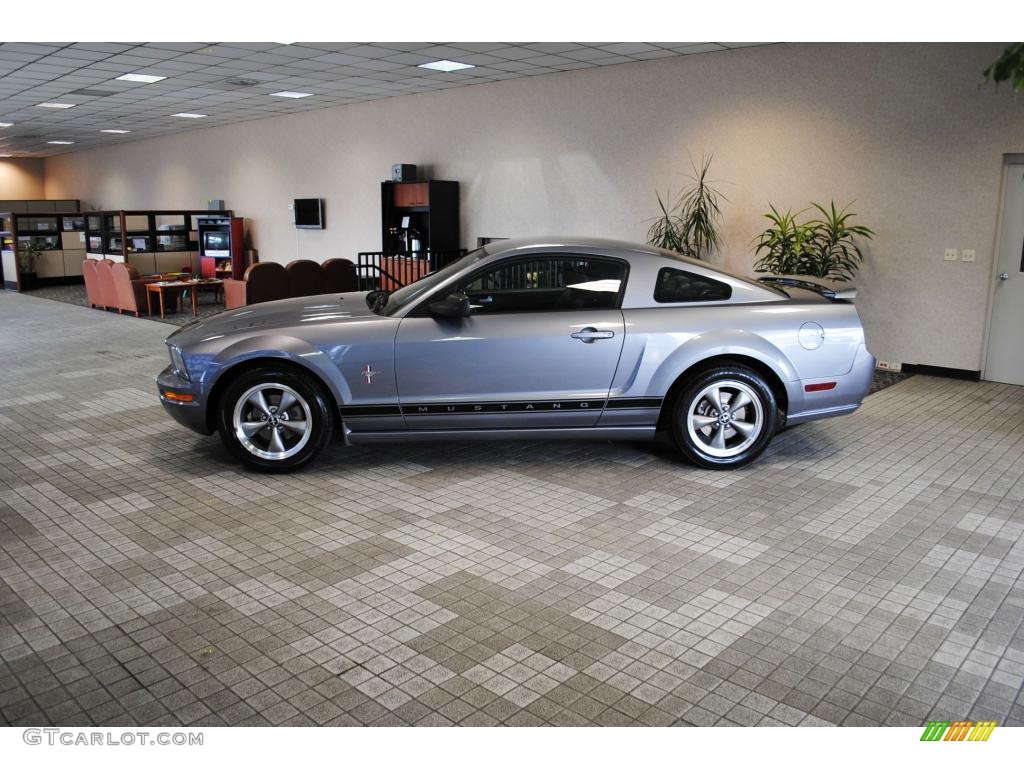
(967, 255)
(885, 365)
(951, 255)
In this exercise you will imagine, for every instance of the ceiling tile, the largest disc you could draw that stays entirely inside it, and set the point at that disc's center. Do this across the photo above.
(233, 82)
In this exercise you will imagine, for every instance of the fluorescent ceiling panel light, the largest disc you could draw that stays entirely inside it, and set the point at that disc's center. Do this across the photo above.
(291, 94)
(136, 78)
(446, 66)
(114, 130)
(60, 142)
(190, 115)
(4, 155)
(55, 105)
(6, 125)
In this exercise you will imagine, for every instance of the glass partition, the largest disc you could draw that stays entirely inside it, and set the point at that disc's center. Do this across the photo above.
(138, 243)
(165, 222)
(46, 242)
(37, 224)
(177, 242)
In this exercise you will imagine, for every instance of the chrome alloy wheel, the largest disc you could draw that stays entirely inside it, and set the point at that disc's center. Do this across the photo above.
(272, 421)
(725, 418)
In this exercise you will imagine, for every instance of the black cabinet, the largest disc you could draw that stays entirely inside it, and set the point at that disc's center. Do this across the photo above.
(427, 211)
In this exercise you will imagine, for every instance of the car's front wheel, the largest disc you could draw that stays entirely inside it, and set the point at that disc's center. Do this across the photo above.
(275, 420)
(724, 418)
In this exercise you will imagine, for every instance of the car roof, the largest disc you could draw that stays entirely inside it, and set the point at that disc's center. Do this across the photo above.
(505, 247)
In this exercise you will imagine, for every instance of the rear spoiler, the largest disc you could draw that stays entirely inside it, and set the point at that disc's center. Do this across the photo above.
(830, 292)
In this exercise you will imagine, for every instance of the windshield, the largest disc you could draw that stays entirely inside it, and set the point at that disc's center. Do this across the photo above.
(413, 291)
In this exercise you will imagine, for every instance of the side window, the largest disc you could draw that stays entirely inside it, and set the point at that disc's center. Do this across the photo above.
(547, 284)
(676, 285)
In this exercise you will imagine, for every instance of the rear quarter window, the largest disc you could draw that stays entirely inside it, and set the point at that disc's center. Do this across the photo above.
(677, 285)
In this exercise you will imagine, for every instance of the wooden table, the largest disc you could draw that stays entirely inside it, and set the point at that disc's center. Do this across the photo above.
(177, 286)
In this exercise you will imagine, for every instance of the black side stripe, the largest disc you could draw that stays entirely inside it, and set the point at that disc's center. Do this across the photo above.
(546, 406)
(371, 410)
(634, 402)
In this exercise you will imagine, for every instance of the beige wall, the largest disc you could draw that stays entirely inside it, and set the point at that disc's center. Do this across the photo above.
(904, 130)
(21, 178)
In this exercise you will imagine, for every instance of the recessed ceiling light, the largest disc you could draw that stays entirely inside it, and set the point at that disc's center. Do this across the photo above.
(446, 66)
(136, 78)
(6, 125)
(280, 43)
(55, 105)
(291, 94)
(60, 142)
(114, 130)
(190, 115)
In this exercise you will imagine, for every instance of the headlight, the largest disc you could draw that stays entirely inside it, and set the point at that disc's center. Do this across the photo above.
(178, 362)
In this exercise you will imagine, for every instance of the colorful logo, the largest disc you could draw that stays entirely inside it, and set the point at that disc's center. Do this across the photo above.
(959, 730)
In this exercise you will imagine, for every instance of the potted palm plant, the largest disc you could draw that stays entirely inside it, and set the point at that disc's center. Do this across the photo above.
(825, 247)
(28, 259)
(690, 225)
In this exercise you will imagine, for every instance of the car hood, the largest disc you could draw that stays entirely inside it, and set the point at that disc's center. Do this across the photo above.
(301, 312)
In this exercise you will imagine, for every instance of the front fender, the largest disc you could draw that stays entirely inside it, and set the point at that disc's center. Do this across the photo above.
(717, 343)
(277, 346)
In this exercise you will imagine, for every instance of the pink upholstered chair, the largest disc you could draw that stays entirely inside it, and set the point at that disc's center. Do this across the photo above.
(92, 289)
(105, 284)
(130, 289)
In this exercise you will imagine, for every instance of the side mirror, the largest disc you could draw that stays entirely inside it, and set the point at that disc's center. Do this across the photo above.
(452, 305)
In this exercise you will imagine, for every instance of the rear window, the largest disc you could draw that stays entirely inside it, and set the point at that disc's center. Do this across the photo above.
(677, 285)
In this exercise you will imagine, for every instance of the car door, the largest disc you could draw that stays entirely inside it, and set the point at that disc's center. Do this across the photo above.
(539, 348)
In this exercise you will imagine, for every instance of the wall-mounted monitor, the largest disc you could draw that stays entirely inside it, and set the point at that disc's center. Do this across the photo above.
(309, 213)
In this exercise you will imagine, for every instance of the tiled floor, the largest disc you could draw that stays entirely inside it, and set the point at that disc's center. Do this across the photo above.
(866, 571)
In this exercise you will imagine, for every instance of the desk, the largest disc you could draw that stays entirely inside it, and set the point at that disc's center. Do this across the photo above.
(176, 287)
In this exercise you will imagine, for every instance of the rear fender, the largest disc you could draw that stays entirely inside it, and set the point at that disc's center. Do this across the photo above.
(731, 343)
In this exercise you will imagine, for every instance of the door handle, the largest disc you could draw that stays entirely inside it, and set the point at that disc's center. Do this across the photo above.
(590, 335)
(1004, 275)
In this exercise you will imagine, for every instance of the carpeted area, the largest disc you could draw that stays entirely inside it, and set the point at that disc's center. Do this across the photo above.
(208, 303)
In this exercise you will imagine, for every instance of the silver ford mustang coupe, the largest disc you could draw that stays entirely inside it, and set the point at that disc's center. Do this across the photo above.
(543, 338)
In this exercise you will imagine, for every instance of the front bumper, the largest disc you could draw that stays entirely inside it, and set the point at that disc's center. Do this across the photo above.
(189, 412)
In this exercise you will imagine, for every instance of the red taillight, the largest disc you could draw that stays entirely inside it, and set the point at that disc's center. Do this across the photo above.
(823, 387)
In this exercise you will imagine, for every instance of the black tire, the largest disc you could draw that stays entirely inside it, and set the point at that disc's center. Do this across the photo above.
(308, 404)
(710, 446)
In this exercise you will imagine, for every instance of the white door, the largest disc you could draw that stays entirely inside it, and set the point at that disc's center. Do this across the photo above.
(1005, 361)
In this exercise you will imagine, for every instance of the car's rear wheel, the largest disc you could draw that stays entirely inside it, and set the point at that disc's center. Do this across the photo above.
(275, 420)
(724, 418)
